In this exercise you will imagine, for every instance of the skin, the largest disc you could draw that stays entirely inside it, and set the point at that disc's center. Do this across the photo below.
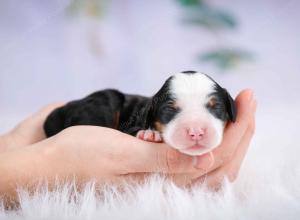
(88, 153)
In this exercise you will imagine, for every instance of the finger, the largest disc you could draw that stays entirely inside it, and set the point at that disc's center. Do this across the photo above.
(135, 178)
(214, 179)
(241, 147)
(132, 155)
(181, 180)
(148, 157)
(232, 135)
(233, 167)
(159, 157)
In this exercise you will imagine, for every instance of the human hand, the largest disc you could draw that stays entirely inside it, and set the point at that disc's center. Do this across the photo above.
(107, 155)
(87, 153)
(29, 131)
(226, 160)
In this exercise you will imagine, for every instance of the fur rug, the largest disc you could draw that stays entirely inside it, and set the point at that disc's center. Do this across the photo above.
(267, 188)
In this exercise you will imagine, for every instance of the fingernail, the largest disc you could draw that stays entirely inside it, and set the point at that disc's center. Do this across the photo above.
(203, 162)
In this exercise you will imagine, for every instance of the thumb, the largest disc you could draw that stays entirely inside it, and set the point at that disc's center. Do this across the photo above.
(158, 157)
(132, 155)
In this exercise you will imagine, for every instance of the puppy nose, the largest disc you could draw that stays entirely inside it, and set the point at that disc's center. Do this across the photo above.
(195, 134)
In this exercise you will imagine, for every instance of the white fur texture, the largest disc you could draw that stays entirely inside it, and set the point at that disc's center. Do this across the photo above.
(267, 188)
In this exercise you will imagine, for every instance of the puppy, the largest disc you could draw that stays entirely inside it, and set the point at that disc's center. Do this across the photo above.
(189, 113)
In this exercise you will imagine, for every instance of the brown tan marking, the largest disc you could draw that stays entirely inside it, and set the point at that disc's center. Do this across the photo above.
(116, 120)
(212, 102)
(159, 126)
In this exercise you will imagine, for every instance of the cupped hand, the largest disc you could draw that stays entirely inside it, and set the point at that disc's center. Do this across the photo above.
(107, 155)
(226, 160)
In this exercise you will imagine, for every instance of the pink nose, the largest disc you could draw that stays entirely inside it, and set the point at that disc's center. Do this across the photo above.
(195, 134)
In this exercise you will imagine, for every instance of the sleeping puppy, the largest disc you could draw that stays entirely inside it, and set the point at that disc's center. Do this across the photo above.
(188, 113)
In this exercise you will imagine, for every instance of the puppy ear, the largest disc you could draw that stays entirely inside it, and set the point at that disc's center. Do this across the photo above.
(156, 101)
(150, 111)
(230, 106)
(148, 114)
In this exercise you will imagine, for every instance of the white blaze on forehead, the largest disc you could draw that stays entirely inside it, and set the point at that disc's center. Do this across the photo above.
(191, 89)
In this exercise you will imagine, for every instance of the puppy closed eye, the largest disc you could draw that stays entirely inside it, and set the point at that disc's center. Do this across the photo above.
(171, 105)
(213, 104)
(172, 108)
(167, 112)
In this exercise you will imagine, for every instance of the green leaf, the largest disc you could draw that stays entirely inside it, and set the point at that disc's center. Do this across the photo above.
(225, 58)
(190, 2)
(93, 8)
(209, 17)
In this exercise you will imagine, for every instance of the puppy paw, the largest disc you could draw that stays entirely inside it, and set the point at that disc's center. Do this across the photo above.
(149, 135)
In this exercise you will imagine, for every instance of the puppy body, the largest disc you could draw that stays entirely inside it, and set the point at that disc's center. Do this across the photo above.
(108, 108)
(189, 113)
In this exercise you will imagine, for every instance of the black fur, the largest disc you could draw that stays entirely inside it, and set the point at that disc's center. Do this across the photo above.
(162, 107)
(189, 72)
(225, 108)
(107, 108)
(130, 113)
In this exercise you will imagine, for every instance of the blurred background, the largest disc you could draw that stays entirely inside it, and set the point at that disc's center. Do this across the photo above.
(59, 50)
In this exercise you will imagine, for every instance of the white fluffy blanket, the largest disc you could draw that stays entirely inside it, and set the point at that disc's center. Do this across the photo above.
(267, 188)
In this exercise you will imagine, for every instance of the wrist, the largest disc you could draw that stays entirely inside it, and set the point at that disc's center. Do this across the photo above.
(27, 167)
(23, 168)
(54, 164)
(58, 159)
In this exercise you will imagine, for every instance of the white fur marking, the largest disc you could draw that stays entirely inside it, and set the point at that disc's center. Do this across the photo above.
(191, 93)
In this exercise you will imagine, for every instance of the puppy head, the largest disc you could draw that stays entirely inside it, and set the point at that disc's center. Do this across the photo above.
(190, 111)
